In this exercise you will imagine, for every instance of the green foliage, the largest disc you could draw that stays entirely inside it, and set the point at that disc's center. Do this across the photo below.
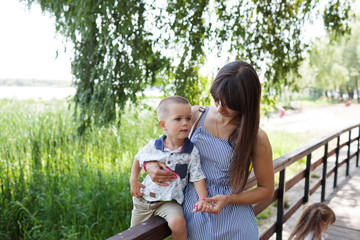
(286, 203)
(335, 67)
(263, 215)
(283, 142)
(315, 175)
(339, 10)
(57, 185)
(351, 58)
(330, 74)
(121, 47)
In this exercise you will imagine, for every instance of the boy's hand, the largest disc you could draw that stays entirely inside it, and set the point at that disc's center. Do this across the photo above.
(202, 206)
(217, 202)
(135, 188)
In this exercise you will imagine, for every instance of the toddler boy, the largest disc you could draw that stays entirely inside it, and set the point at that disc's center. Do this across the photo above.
(181, 156)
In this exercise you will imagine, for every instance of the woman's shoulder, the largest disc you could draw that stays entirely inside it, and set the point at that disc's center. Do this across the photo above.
(262, 134)
(262, 138)
(195, 110)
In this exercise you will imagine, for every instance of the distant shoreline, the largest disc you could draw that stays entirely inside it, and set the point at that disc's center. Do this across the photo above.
(34, 83)
(36, 92)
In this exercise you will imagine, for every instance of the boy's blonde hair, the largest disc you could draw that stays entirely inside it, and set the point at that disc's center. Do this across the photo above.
(163, 107)
(311, 220)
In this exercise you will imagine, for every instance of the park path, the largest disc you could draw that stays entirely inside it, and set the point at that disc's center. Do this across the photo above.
(316, 121)
(345, 201)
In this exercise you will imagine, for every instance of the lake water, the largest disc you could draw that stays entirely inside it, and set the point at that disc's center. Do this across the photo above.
(36, 93)
(48, 93)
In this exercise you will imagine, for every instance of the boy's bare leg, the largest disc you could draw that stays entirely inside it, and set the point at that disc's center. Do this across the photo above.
(177, 225)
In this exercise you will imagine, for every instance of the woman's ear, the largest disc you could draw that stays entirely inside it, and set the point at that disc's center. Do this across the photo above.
(162, 125)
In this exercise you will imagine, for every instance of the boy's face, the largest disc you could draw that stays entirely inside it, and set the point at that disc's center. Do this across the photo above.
(177, 123)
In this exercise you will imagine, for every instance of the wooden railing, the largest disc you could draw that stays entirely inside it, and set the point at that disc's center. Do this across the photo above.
(156, 228)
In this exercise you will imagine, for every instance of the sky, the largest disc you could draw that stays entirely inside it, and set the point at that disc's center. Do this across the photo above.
(28, 44)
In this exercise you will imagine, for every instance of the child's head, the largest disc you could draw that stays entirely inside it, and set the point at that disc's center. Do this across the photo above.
(316, 218)
(174, 116)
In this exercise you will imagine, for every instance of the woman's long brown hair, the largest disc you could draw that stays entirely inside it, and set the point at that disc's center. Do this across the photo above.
(237, 86)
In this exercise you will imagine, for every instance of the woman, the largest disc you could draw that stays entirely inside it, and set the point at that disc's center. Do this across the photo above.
(230, 143)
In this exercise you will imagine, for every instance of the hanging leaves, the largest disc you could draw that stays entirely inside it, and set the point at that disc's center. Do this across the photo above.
(122, 47)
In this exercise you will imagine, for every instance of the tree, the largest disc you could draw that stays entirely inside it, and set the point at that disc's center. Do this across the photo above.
(330, 74)
(337, 67)
(121, 46)
(306, 81)
(351, 58)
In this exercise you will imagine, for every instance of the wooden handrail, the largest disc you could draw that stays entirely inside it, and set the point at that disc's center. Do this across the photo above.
(156, 228)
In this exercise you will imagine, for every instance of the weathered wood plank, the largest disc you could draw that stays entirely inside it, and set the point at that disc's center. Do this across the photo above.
(155, 228)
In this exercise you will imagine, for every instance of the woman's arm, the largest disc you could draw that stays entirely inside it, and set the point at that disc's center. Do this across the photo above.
(160, 173)
(264, 173)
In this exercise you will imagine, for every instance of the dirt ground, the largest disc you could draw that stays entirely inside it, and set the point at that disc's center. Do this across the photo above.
(317, 122)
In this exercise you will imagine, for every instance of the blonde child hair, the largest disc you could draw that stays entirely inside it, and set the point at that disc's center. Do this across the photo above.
(163, 107)
(315, 219)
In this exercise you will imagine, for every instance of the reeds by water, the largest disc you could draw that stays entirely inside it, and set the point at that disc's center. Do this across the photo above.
(57, 185)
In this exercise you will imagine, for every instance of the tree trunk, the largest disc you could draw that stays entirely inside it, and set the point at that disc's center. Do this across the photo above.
(357, 89)
(350, 92)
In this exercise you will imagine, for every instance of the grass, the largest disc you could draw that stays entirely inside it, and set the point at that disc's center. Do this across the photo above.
(57, 185)
(285, 142)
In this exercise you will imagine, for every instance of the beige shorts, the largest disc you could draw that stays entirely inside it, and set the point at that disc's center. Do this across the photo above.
(143, 210)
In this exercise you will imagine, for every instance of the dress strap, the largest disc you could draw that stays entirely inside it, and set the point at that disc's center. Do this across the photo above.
(204, 116)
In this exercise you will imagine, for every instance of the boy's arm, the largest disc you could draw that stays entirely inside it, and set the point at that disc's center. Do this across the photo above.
(200, 185)
(201, 190)
(134, 180)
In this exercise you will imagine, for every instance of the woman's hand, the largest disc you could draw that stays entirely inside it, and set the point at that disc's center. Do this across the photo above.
(160, 173)
(218, 202)
(202, 206)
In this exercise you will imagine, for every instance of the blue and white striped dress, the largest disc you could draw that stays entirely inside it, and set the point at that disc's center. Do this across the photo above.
(234, 221)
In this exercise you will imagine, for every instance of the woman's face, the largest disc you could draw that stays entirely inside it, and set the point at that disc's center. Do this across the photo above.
(225, 111)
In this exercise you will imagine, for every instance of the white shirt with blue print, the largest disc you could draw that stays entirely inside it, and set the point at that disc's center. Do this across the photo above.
(185, 163)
